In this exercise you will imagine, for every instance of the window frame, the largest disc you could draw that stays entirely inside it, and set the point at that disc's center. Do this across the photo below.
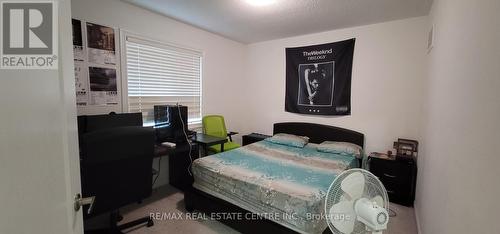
(123, 62)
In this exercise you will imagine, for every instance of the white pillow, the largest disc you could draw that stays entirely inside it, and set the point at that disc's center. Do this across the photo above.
(288, 139)
(344, 148)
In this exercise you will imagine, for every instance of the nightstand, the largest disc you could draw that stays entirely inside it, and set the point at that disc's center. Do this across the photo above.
(254, 137)
(398, 176)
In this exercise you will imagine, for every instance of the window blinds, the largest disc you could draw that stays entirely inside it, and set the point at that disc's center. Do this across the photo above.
(159, 74)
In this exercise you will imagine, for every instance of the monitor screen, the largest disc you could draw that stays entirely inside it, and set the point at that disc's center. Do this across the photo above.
(170, 123)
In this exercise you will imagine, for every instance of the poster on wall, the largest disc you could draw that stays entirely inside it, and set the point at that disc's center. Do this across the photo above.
(81, 84)
(103, 86)
(78, 52)
(318, 78)
(101, 44)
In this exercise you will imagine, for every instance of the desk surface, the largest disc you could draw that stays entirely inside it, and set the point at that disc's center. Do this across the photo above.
(162, 150)
(208, 140)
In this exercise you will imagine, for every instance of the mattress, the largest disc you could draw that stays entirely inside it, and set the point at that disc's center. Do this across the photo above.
(281, 183)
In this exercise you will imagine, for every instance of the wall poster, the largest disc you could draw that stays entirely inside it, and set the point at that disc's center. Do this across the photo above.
(81, 80)
(96, 68)
(318, 78)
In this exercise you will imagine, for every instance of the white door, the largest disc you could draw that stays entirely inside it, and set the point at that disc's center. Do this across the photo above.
(39, 163)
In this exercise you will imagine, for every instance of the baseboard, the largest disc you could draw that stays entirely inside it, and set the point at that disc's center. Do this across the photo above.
(419, 230)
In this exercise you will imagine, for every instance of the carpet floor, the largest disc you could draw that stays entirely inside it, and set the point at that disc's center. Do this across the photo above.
(167, 203)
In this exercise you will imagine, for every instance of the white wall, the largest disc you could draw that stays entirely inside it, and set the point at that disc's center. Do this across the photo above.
(223, 59)
(458, 184)
(388, 74)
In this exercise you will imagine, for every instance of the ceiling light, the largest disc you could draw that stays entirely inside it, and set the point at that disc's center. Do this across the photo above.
(260, 2)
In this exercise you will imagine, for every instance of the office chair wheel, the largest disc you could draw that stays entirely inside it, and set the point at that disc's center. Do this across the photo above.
(150, 223)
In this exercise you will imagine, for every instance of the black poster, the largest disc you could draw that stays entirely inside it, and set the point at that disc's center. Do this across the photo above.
(318, 78)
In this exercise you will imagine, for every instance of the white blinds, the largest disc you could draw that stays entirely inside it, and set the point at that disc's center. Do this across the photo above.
(160, 74)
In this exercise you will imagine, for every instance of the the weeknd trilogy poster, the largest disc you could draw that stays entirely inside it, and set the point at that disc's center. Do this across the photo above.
(318, 78)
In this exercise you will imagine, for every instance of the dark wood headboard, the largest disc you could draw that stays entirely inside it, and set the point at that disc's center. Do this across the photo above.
(318, 133)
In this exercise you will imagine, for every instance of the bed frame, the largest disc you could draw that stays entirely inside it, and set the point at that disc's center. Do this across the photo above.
(195, 199)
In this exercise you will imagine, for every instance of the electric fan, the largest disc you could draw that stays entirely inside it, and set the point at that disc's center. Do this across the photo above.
(356, 202)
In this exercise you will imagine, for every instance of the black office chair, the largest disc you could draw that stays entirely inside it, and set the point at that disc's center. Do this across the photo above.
(116, 168)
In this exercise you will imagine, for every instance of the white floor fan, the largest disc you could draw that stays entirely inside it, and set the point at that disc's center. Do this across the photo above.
(356, 203)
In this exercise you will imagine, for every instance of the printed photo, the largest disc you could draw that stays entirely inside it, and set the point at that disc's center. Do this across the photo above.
(102, 79)
(316, 83)
(100, 37)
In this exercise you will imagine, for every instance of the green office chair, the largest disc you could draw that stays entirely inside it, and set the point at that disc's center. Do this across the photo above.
(214, 125)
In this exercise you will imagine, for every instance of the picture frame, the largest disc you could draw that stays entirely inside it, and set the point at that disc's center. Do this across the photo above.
(406, 147)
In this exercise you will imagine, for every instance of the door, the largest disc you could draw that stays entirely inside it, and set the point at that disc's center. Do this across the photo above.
(39, 163)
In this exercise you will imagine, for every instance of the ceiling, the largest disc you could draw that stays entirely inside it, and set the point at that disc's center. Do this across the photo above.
(240, 21)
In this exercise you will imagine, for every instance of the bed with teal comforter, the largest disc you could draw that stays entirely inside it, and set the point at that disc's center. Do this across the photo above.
(283, 183)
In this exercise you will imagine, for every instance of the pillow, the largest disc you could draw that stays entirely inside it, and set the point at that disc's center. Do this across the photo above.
(343, 148)
(288, 139)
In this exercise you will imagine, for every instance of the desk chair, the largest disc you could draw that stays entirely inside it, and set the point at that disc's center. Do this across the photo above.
(214, 125)
(116, 154)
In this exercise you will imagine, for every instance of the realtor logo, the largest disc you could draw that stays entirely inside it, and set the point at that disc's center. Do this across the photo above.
(29, 35)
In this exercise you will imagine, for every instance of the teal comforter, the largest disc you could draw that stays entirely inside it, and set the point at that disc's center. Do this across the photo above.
(282, 183)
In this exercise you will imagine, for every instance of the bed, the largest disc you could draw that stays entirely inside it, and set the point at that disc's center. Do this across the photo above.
(274, 188)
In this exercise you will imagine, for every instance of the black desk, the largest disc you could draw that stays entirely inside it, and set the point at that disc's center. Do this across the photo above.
(207, 140)
(179, 163)
(163, 150)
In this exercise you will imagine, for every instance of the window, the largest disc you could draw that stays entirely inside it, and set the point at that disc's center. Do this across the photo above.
(159, 74)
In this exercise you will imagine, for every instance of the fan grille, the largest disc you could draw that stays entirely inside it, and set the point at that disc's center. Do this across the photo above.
(373, 188)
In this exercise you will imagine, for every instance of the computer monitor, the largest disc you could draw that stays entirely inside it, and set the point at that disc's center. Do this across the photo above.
(171, 123)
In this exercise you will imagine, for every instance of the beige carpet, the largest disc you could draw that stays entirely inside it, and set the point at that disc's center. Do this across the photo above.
(168, 200)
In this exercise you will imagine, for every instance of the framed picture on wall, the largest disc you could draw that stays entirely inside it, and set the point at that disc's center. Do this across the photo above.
(406, 147)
